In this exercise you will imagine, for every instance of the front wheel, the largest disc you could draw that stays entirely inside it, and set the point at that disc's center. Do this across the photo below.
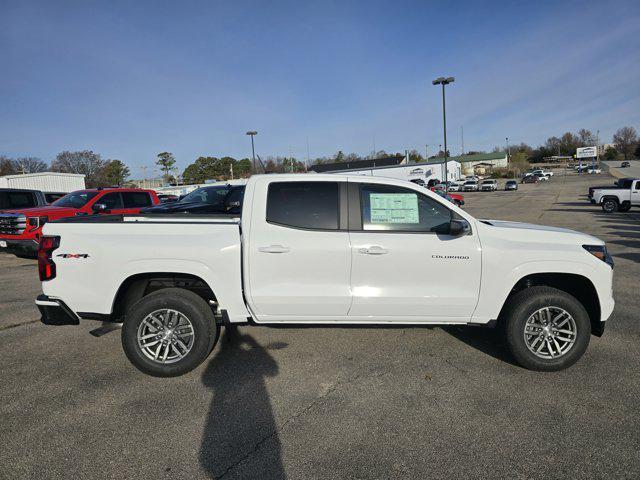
(546, 329)
(610, 205)
(169, 332)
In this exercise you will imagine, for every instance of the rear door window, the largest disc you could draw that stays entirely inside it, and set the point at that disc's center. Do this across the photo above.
(136, 199)
(112, 200)
(310, 205)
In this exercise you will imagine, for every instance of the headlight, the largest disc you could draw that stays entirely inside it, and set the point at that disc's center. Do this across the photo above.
(600, 252)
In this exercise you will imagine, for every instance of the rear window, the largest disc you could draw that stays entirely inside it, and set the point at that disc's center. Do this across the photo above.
(52, 197)
(312, 205)
(136, 199)
(17, 200)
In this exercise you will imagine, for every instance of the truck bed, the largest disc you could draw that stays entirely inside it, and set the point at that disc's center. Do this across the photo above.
(99, 253)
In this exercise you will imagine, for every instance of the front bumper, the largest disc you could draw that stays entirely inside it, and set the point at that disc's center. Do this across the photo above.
(55, 311)
(19, 247)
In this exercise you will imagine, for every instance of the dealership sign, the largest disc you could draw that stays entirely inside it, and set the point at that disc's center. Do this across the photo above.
(586, 152)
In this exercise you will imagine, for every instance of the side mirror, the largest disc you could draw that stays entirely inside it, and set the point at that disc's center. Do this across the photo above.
(459, 228)
(99, 208)
(232, 205)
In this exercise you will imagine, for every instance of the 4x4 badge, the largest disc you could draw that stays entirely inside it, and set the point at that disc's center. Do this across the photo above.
(73, 255)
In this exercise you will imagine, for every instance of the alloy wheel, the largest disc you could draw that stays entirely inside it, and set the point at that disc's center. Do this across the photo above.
(165, 336)
(550, 332)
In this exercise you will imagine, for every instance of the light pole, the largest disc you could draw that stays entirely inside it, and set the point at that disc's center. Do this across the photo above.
(444, 81)
(253, 149)
(508, 150)
(426, 152)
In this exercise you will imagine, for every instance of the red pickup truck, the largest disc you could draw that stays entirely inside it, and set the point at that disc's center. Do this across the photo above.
(20, 230)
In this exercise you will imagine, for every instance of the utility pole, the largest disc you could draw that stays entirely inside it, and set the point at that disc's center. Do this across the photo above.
(598, 146)
(306, 165)
(462, 137)
(508, 150)
(444, 81)
(252, 134)
(426, 151)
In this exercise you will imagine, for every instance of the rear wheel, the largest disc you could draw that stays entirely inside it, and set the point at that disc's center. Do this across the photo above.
(169, 332)
(610, 205)
(546, 329)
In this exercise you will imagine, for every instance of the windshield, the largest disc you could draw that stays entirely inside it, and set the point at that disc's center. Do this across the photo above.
(75, 199)
(470, 182)
(210, 195)
(488, 181)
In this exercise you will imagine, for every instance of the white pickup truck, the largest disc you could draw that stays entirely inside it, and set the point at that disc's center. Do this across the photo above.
(325, 249)
(619, 199)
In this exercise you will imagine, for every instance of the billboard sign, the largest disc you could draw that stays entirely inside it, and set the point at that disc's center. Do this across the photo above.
(586, 152)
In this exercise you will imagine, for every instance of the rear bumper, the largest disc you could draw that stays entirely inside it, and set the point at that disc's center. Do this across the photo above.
(24, 247)
(55, 312)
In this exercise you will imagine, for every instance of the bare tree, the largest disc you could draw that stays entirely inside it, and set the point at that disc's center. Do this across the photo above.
(30, 165)
(7, 166)
(85, 162)
(625, 140)
(587, 138)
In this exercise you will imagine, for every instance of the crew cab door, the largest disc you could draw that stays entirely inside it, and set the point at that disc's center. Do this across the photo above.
(405, 264)
(299, 257)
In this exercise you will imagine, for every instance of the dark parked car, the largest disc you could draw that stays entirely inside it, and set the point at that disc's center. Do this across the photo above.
(625, 164)
(530, 179)
(220, 198)
(511, 185)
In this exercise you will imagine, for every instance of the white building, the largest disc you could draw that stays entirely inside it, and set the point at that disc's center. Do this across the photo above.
(394, 167)
(478, 163)
(45, 181)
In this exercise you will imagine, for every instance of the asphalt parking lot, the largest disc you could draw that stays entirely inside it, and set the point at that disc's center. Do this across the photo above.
(306, 403)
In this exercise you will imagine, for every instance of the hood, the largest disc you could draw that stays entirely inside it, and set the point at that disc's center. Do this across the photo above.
(47, 210)
(552, 233)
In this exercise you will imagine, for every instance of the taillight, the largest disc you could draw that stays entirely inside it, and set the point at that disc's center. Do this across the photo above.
(46, 265)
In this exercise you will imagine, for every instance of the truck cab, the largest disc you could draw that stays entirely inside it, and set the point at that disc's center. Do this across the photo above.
(21, 228)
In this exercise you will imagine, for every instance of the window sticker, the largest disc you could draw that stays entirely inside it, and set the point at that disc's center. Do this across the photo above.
(394, 208)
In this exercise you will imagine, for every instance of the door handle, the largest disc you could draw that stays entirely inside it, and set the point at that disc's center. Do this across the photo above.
(373, 250)
(274, 249)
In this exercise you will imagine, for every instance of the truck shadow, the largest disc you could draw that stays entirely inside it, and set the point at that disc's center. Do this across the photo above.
(240, 437)
(486, 340)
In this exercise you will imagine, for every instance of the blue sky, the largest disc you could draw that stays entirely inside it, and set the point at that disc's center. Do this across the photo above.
(133, 78)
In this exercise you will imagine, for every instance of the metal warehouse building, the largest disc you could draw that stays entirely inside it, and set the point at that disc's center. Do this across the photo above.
(45, 181)
(393, 167)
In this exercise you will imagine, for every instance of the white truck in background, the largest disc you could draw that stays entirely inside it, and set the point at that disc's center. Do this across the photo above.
(619, 199)
(325, 249)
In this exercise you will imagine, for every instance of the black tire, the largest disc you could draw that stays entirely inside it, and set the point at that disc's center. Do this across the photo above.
(610, 205)
(520, 308)
(191, 305)
(457, 203)
(624, 207)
